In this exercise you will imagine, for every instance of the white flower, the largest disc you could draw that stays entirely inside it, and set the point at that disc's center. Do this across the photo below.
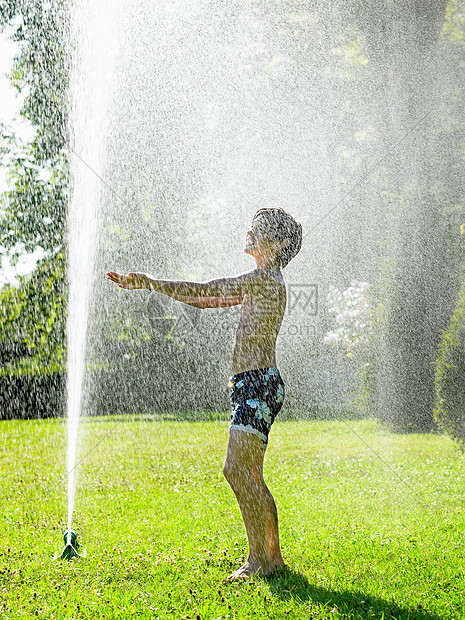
(330, 338)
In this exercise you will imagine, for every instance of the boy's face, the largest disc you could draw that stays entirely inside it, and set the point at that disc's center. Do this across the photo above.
(257, 240)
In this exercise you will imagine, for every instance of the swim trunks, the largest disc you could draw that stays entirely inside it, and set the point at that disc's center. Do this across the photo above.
(256, 397)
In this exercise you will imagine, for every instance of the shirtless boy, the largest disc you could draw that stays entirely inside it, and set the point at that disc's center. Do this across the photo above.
(256, 387)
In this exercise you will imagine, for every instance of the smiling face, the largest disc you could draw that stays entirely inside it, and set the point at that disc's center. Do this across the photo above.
(256, 237)
(257, 241)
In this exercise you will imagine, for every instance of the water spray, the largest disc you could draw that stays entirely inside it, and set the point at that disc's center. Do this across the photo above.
(90, 86)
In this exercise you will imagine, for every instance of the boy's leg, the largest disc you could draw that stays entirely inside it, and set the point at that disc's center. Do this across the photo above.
(243, 451)
(272, 531)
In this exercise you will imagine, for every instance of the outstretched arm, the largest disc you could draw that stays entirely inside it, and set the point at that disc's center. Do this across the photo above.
(210, 302)
(221, 287)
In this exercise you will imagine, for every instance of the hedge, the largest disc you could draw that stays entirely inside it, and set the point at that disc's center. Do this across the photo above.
(449, 411)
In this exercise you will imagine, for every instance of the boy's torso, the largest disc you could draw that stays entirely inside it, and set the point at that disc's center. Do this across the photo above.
(261, 317)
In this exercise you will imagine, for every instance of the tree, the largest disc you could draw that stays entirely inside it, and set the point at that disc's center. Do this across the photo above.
(403, 44)
(34, 209)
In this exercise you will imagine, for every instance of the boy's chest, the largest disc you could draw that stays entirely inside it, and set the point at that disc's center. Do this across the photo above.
(257, 310)
(254, 310)
(247, 309)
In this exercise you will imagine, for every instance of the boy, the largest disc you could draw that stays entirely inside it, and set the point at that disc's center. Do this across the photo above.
(257, 389)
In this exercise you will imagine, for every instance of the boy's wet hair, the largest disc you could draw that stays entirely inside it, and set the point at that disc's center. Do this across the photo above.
(283, 226)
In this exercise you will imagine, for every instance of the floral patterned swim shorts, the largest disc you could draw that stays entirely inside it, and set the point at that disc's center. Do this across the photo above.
(256, 397)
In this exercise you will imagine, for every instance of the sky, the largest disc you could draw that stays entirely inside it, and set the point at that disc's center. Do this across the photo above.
(10, 104)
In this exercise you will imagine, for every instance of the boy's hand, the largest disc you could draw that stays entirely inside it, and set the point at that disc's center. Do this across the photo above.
(130, 281)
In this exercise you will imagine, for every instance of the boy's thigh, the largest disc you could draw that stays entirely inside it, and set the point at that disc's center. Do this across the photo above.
(244, 450)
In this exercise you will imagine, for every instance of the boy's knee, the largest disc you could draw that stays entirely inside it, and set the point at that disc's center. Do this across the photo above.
(234, 471)
(229, 470)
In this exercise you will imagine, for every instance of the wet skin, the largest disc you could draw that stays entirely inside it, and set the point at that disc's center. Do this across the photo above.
(262, 296)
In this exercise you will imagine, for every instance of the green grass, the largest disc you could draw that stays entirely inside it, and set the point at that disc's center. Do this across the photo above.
(363, 536)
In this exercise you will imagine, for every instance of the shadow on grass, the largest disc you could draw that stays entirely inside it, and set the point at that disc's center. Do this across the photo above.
(289, 584)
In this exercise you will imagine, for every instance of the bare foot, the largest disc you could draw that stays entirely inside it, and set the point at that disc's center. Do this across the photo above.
(249, 569)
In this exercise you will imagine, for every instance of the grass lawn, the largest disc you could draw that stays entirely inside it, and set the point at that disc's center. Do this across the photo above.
(372, 524)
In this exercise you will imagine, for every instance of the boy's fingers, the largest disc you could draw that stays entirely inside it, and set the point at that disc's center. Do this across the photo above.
(129, 281)
(115, 277)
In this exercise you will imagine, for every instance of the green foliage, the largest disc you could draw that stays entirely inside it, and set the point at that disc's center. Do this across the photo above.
(454, 23)
(35, 206)
(42, 67)
(362, 395)
(449, 410)
(33, 211)
(351, 50)
(34, 315)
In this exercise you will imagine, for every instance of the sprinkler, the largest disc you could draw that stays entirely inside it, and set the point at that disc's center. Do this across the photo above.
(72, 547)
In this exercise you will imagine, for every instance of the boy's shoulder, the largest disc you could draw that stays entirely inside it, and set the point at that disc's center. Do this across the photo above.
(269, 274)
(257, 274)
(262, 277)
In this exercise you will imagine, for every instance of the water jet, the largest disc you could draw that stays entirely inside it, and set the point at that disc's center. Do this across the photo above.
(89, 86)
